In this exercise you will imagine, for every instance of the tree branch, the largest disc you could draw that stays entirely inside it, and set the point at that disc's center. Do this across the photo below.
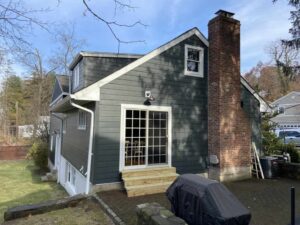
(110, 24)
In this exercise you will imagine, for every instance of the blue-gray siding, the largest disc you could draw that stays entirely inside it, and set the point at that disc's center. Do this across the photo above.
(92, 69)
(187, 96)
(56, 91)
(251, 107)
(75, 141)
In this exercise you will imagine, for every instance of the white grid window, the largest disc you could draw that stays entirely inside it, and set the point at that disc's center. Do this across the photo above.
(146, 137)
(76, 76)
(81, 120)
(193, 61)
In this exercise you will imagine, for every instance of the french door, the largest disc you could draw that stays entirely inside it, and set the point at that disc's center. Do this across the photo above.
(145, 133)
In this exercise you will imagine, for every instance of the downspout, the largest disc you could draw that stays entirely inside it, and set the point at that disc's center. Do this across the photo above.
(90, 153)
(61, 130)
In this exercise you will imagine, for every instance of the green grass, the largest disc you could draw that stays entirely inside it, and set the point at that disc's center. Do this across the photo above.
(21, 184)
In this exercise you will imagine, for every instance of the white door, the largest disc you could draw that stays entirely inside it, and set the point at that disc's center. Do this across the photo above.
(145, 136)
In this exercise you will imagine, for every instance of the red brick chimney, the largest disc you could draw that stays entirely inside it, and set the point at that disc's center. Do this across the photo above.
(229, 130)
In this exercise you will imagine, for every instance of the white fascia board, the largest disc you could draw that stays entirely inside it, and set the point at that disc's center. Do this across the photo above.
(87, 94)
(82, 94)
(264, 106)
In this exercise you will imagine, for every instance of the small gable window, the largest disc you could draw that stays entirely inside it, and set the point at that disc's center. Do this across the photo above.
(193, 61)
(81, 120)
(76, 76)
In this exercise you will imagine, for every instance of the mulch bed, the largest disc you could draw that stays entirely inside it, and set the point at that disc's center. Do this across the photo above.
(267, 200)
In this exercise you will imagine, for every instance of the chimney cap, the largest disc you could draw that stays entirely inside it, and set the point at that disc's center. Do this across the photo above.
(224, 13)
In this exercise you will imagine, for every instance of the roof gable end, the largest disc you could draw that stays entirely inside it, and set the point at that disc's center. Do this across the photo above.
(92, 92)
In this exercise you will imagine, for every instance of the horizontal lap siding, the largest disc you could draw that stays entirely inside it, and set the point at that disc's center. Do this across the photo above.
(187, 96)
(75, 142)
(96, 68)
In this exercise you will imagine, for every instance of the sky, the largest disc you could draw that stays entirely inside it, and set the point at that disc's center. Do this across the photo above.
(262, 23)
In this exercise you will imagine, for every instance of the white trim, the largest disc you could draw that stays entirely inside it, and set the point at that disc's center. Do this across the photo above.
(125, 107)
(94, 88)
(200, 62)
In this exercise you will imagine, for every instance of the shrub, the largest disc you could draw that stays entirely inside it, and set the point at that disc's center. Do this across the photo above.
(39, 154)
(291, 149)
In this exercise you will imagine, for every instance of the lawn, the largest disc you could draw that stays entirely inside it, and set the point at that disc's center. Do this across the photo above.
(85, 213)
(21, 184)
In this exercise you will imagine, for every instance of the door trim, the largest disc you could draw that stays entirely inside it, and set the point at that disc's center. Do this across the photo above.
(125, 107)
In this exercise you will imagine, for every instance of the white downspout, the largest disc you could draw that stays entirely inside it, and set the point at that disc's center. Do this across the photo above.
(90, 153)
(61, 132)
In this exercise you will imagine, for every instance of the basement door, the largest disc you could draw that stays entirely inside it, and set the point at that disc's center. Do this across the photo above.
(145, 136)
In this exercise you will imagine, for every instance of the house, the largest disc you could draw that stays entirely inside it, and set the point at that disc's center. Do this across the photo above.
(288, 109)
(144, 119)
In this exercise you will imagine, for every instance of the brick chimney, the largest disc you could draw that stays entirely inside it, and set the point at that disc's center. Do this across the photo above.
(229, 130)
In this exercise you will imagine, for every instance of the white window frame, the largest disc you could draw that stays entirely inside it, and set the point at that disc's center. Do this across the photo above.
(71, 176)
(76, 76)
(125, 107)
(200, 73)
(82, 120)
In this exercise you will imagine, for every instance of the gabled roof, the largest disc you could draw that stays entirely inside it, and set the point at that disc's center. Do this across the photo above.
(92, 92)
(295, 93)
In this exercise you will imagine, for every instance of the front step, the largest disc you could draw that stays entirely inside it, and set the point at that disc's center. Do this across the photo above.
(148, 172)
(147, 189)
(148, 181)
(134, 181)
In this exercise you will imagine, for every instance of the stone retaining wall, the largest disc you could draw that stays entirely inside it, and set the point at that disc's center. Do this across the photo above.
(155, 214)
(289, 170)
(13, 152)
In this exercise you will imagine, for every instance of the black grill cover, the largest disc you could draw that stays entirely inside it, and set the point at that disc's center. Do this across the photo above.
(201, 201)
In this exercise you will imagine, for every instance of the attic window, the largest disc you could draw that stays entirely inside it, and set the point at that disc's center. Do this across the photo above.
(193, 61)
(76, 76)
(281, 110)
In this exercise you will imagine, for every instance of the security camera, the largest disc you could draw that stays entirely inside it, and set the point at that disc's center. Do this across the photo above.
(147, 94)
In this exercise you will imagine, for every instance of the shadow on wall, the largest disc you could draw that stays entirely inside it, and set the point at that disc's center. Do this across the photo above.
(187, 96)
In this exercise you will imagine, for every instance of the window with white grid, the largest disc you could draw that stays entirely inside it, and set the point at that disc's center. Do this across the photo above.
(145, 137)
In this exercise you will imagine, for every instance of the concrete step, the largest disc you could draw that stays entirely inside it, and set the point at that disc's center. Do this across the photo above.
(157, 179)
(148, 172)
(148, 189)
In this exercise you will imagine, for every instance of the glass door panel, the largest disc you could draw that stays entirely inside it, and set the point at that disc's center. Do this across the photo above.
(135, 138)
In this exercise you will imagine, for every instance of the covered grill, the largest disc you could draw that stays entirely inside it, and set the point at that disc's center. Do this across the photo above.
(199, 201)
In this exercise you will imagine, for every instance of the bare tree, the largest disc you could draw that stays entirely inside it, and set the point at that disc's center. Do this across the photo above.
(68, 46)
(16, 22)
(286, 60)
(112, 24)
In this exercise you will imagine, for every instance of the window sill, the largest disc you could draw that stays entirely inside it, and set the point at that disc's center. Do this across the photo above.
(81, 128)
(193, 74)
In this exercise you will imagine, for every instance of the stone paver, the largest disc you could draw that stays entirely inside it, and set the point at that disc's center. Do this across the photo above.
(268, 200)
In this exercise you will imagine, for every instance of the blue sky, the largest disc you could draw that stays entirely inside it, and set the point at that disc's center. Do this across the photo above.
(261, 23)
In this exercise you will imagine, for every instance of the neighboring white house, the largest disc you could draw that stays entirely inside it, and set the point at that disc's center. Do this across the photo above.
(288, 108)
(26, 131)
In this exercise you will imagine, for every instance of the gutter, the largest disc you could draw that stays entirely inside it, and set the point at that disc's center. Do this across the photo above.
(90, 153)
